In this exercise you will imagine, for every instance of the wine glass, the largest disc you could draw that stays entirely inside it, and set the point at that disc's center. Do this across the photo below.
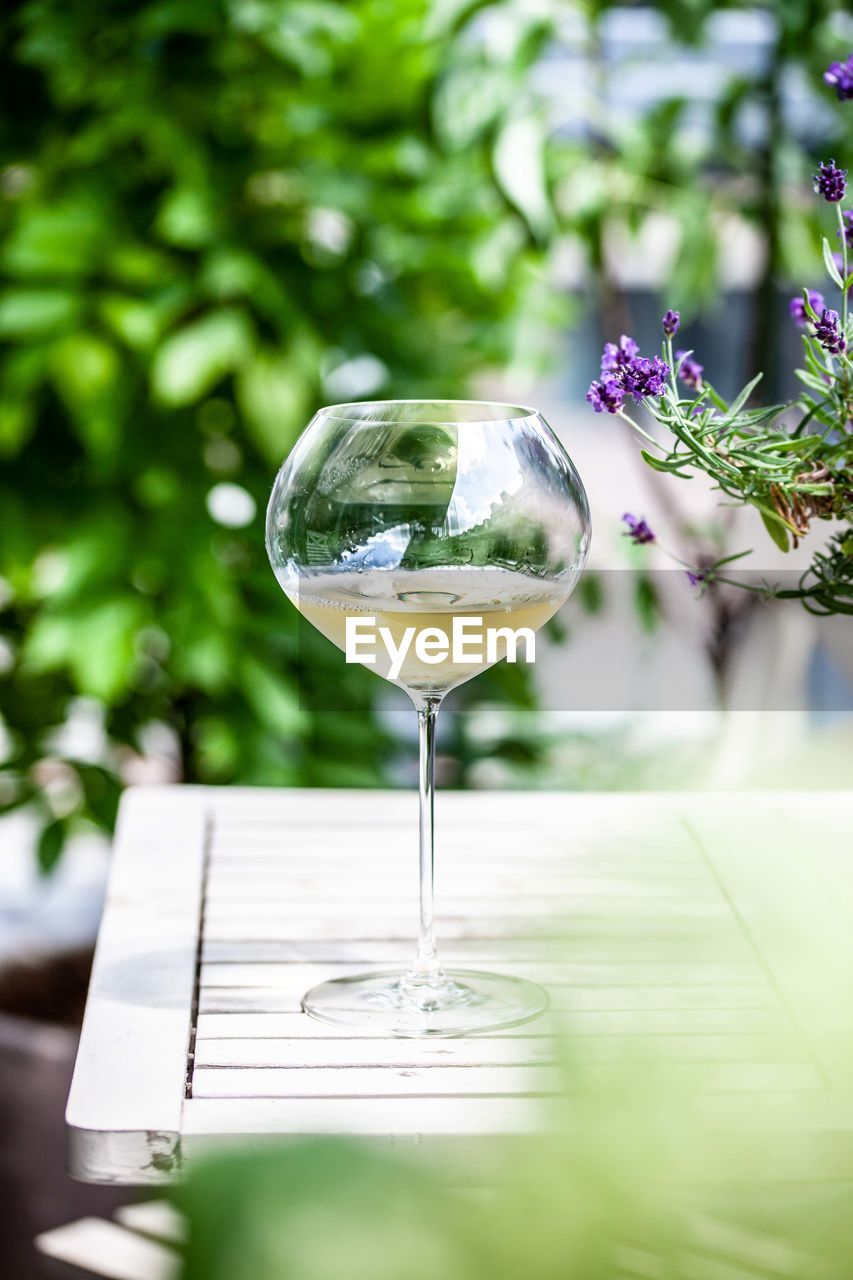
(406, 515)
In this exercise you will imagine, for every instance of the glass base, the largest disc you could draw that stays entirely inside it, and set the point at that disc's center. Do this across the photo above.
(462, 1002)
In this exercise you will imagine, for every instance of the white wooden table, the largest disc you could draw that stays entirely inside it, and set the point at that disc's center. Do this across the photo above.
(715, 927)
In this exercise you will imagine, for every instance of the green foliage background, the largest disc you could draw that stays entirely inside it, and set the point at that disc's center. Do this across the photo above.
(209, 209)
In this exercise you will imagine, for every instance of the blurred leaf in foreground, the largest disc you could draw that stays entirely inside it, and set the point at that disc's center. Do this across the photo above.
(631, 1175)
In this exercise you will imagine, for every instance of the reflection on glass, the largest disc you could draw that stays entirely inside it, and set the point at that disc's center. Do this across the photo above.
(415, 514)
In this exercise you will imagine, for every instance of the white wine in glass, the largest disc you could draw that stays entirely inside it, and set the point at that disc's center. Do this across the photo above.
(428, 600)
(438, 530)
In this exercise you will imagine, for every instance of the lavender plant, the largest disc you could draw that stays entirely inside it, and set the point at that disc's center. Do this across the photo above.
(793, 462)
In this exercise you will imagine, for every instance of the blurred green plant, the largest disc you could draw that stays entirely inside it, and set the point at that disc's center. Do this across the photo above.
(213, 218)
(699, 168)
(633, 1181)
(728, 161)
(725, 162)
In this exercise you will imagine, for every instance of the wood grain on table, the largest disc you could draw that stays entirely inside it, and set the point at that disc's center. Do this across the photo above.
(709, 933)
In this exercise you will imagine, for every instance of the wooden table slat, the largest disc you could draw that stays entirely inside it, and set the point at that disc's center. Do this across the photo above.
(451, 1081)
(491, 1051)
(574, 1022)
(659, 924)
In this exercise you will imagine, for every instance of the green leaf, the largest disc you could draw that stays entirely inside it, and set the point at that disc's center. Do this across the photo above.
(104, 655)
(647, 603)
(466, 106)
(49, 643)
(16, 426)
(137, 324)
(96, 646)
(273, 701)
(101, 790)
(717, 399)
(831, 269)
(274, 396)
(206, 661)
(777, 530)
(810, 380)
(192, 361)
(737, 555)
(812, 354)
(741, 399)
(36, 313)
(591, 592)
(186, 219)
(87, 374)
(519, 159)
(668, 466)
(50, 845)
(217, 747)
(800, 444)
(57, 240)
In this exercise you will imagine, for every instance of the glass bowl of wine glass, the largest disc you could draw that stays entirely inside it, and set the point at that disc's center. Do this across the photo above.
(426, 539)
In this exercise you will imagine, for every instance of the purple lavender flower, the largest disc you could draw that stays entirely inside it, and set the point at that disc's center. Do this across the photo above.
(607, 394)
(616, 357)
(626, 372)
(645, 377)
(797, 307)
(828, 333)
(839, 76)
(848, 228)
(638, 531)
(696, 577)
(830, 181)
(690, 371)
(670, 322)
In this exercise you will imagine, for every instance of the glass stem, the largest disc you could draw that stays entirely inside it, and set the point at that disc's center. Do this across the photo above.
(426, 967)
